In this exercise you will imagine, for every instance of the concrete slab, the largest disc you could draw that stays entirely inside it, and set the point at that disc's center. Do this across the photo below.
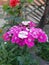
(2, 22)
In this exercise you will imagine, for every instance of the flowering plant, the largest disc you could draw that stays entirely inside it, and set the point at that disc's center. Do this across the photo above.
(25, 34)
(22, 36)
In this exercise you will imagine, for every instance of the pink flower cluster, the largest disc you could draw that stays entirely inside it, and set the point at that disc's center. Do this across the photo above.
(25, 34)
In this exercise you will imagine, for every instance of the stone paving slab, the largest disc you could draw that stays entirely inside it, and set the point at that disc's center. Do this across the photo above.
(2, 22)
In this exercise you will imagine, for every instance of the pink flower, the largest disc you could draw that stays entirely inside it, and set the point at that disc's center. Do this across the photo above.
(42, 37)
(32, 29)
(29, 41)
(23, 28)
(32, 24)
(15, 30)
(15, 39)
(6, 37)
(34, 32)
(39, 30)
(21, 42)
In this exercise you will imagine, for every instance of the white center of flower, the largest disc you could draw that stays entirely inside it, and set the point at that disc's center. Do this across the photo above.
(23, 34)
(25, 22)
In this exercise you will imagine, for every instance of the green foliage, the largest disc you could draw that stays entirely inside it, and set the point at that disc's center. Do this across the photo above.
(12, 11)
(43, 50)
(17, 9)
(12, 54)
(30, 1)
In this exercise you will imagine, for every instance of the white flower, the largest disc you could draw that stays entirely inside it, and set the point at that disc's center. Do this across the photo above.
(23, 34)
(5, 42)
(25, 22)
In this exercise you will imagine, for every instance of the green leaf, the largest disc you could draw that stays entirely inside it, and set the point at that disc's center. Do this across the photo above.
(30, 1)
(6, 7)
(20, 59)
